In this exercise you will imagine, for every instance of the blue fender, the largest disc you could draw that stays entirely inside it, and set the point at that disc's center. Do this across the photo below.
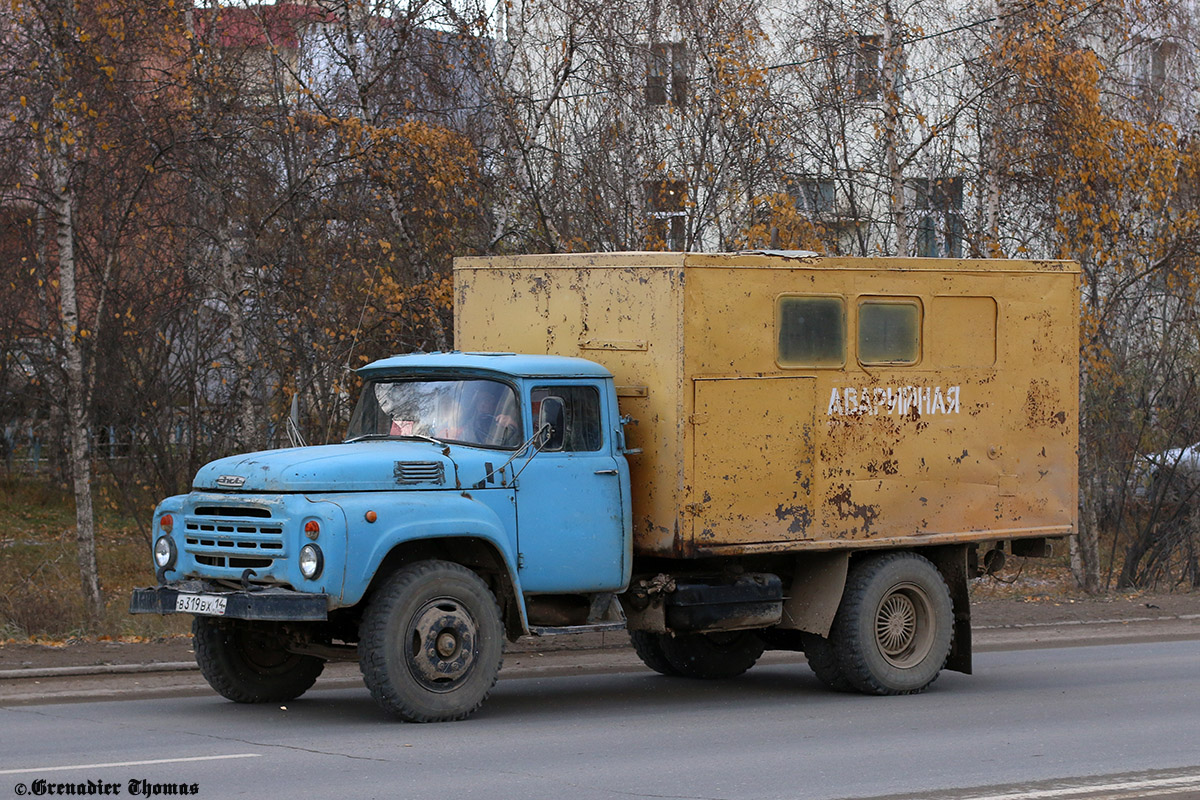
(403, 517)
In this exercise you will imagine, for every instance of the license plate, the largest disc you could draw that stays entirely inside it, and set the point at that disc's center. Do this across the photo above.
(208, 604)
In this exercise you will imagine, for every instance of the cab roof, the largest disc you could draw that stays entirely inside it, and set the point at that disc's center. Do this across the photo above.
(510, 364)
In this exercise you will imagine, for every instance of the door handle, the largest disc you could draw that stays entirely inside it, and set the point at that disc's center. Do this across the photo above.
(606, 472)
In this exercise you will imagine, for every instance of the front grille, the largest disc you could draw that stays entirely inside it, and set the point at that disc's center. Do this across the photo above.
(232, 511)
(234, 563)
(233, 537)
(420, 472)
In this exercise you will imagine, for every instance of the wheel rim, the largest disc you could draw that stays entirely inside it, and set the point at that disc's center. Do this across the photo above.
(440, 644)
(903, 625)
(262, 654)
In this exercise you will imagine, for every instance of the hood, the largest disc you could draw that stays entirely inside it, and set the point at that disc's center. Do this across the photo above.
(355, 467)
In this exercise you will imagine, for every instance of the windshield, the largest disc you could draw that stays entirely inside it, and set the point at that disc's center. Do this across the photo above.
(474, 411)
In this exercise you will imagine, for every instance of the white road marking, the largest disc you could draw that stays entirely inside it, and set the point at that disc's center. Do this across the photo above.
(128, 763)
(1164, 785)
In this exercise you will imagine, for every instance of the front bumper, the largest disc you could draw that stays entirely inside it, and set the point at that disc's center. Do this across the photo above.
(266, 604)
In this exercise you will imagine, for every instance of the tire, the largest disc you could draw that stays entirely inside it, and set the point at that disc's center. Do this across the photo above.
(249, 663)
(726, 654)
(893, 629)
(823, 661)
(431, 643)
(648, 647)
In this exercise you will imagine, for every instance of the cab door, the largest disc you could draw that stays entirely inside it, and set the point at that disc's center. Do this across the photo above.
(573, 517)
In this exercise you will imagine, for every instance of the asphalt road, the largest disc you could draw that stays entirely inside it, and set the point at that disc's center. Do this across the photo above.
(1030, 724)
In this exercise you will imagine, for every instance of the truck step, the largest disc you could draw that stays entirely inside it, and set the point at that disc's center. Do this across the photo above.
(595, 627)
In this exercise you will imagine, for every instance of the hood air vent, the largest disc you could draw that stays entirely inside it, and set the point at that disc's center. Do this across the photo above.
(420, 472)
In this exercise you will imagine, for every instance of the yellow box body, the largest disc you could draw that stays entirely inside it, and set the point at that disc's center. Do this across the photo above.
(975, 439)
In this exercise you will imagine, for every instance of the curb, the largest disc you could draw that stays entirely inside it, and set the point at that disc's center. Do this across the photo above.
(99, 669)
(1114, 621)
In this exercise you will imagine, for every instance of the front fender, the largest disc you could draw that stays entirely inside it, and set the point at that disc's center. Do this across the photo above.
(400, 517)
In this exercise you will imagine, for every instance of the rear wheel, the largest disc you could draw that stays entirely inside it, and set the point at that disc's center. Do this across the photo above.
(648, 647)
(431, 642)
(723, 654)
(893, 630)
(249, 663)
(823, 661)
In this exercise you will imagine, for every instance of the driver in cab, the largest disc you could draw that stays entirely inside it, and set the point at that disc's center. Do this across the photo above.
(492, 417)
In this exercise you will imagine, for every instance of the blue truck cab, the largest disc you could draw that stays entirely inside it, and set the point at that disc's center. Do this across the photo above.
(476, 497)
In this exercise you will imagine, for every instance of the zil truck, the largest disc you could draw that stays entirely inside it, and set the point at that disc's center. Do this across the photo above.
(721, 453)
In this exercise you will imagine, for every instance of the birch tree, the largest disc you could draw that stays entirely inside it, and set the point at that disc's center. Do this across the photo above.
(70, 73)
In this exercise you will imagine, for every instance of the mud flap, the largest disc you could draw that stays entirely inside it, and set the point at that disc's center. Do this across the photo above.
(951, 562)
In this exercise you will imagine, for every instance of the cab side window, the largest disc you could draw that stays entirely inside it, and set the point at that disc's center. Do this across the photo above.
(573, 412)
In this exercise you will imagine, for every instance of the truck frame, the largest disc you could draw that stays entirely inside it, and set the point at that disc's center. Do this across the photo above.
(723, 453)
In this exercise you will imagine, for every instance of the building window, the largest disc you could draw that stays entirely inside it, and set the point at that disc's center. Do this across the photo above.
(937, 207)
(668, 219)
(811, 331)
(867, 66)
(889, 331)
(666, 75)
(1150, 62)
(816, 196)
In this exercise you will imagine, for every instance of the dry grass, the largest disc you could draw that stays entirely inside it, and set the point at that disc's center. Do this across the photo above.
(1029, 579)
(1051, 579)
(40, 594)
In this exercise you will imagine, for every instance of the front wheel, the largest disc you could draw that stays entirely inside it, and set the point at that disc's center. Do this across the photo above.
(431, 643)
(249, 663)
(893, 630)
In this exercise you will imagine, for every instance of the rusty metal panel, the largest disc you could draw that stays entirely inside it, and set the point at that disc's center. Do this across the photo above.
(976, 439)
(754, 453)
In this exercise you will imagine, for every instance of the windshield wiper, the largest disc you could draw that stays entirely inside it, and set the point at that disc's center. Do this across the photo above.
(424, 438)
(368, 436)
(378, 436)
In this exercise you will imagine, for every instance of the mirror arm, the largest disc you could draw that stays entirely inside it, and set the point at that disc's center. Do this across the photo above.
(542, 433)
(542, 437)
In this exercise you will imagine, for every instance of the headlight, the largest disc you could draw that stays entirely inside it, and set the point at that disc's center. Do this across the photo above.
(311, 561)
(164, 552)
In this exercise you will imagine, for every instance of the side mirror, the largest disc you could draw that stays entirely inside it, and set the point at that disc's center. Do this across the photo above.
(553, 414)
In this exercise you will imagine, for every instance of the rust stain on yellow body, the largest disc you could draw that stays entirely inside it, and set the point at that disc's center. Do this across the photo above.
(975, 439)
